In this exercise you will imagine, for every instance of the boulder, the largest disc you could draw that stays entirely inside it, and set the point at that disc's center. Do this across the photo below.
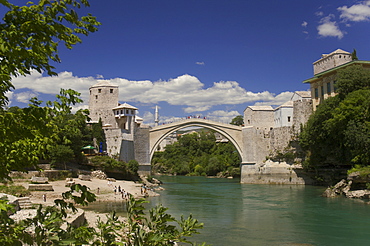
(39, 180)
(341, 188)
(84, 177)
(360, 194)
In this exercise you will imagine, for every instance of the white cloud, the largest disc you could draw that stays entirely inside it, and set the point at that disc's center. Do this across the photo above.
(200, 63)
(304, 24)
(196, 109)
(24, 97)
(9, 95)
(277, 100)
(52, 85)
(356, 12)
(222, 115)
(319, 13)
(186, 91)
(329, 28)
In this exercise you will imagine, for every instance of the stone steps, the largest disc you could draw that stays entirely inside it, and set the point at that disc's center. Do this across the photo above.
(24, 202)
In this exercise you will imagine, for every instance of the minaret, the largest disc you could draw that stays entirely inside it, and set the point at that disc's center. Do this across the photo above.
(156, 116)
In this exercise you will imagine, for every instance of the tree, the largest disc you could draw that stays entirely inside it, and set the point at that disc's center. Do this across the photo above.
(29, 40)
(31, 34)
(32, 133)
(351, 79)
(354, 55)
(238, 121)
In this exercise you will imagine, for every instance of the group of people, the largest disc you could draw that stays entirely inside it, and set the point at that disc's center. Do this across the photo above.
(195, 117)
(122, 192)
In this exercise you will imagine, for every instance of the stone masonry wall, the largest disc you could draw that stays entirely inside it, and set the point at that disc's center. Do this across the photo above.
(301, 113)
(280, 138)
(142, 151)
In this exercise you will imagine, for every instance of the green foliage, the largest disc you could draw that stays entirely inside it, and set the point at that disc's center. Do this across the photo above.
(107, 163)
(238, 120)
(133, 166)
(363, 170)
(338, 133)
(351, 79)
(354, 55)
(36, 132)
(196, 154)
(15, 190)
(29, 40)
(98, 133)
(30, 36)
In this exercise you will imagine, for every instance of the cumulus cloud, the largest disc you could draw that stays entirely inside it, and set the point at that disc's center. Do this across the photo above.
(222, 115)
(52, 85)
(277, 100)
(185, 91)
(196, 109)
(24, 97)
(329, 28)
(356, 12)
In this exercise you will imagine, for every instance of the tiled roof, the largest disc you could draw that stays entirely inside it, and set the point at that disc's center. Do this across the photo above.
(125, 106)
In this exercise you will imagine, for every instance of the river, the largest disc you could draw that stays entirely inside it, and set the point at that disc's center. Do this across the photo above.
(247, 214)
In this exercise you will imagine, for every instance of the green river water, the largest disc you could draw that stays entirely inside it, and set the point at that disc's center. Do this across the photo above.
(246, 214)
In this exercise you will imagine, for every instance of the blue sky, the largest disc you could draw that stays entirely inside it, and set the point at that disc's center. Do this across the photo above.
(202, 57)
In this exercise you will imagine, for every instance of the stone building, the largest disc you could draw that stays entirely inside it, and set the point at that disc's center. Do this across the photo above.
(120, 123)
(283, 115)
(322, 85)
(261, 117)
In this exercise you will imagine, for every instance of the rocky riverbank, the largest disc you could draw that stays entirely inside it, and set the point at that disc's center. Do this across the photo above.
(104, 189)
(355, 186)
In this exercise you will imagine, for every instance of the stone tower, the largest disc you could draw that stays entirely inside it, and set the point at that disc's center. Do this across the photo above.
(103, 98)
(332, 60)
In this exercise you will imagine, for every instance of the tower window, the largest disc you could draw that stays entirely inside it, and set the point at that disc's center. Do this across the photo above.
(99, 90)
(111, 90)
(96, 97)
(288, 118)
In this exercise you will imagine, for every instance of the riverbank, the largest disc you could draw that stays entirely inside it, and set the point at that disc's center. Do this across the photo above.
(103, 190)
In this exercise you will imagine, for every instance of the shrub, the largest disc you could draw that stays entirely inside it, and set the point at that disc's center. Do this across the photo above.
(15, 190)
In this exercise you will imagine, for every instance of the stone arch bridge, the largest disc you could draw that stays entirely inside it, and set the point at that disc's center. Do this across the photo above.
(250, 142)
(231, 132)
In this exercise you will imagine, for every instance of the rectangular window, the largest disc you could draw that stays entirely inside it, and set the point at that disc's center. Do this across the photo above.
(335, 85)
(111, 90)
(99, 90)
(322, 91)
(288, 118)
(316, 92)
(328, 88)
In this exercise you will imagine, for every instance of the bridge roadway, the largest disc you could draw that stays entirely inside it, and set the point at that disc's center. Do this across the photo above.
(231, 132)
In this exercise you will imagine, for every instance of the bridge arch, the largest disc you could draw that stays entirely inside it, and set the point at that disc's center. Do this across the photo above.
(231, 132)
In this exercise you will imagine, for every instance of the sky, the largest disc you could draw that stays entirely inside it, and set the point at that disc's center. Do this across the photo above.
(210, 58)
